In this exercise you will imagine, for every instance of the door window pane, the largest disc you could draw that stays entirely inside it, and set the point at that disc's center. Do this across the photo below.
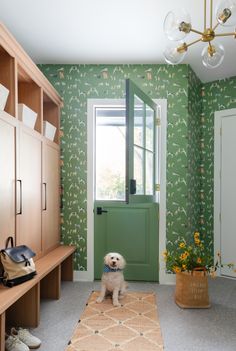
(149, 128)
(138, 170)
(110, 153)
(143, 146)
(149, 173)
(138, 121)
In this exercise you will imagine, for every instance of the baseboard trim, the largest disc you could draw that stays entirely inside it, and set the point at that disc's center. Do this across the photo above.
(86, 276)
(83, 276)
(167, 279)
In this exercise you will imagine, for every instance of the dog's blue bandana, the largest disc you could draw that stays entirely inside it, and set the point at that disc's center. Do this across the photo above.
(107, 269)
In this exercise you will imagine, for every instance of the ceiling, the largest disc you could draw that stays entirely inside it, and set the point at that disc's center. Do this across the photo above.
(107, 32)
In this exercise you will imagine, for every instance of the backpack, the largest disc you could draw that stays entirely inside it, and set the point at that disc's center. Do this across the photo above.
(17, 262)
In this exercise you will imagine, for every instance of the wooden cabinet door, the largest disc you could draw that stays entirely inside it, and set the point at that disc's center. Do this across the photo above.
(7, 179)
(28, 192)
(50, 196)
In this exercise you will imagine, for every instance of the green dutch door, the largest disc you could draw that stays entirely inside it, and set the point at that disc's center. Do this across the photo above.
(126, 210)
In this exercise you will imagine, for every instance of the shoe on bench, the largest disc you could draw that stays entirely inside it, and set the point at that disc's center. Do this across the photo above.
(13, 343)
(26, 337)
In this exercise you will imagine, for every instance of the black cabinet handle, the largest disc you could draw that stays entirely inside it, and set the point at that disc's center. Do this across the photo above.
(20, 210)
(45, 197)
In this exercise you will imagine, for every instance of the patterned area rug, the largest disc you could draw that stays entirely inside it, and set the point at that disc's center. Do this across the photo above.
(132, 327)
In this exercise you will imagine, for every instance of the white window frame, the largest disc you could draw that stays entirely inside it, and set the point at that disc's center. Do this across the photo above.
(88, 275)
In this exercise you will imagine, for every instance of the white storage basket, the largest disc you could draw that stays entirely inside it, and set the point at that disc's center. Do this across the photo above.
(26, 115)
(49, 130)
(4, 92)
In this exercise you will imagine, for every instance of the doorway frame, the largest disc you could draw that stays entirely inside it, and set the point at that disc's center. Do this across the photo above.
(217, 181)
(164, 278)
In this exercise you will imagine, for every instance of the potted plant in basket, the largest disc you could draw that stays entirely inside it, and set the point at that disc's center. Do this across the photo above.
(192, 266)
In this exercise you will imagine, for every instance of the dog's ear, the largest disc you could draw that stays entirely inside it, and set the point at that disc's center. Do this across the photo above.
(106, 259)
(122, 262)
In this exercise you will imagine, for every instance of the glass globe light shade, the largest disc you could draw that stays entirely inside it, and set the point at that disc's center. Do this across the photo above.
(172, 55)
(177, 24)
(213, 56)
(226, 13)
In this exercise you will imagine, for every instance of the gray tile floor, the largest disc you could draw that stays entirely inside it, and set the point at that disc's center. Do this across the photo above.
(183, 330)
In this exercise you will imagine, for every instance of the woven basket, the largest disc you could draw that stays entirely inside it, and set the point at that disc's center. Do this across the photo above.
(192, 290)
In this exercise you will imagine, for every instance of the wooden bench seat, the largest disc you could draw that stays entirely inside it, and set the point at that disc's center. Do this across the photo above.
(20, 305)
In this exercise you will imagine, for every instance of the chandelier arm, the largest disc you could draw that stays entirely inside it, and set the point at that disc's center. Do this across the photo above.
(185, 46)
(225, 34)
(193, 42)
(211, 49)
(216, 25)
(211, 11)
(196, 31)
(204, 14)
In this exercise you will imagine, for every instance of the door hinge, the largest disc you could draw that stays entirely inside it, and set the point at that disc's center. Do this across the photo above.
(158, 121)
(157, 187)
(220, 130)
(220, 217)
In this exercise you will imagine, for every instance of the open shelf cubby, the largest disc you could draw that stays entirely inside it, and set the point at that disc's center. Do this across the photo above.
(7, 79)
(51, 114)
(30, 94)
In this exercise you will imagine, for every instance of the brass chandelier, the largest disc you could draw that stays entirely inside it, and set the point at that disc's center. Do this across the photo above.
(177, 25)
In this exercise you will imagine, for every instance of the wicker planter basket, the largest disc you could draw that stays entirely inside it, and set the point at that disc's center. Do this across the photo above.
(192, 290)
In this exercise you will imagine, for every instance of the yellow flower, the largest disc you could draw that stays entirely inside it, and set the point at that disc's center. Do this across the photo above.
(182, 257)
(182, 245)
(199, 260)
(176, 269)
(197, 241)
(196, 235)
(184, 266)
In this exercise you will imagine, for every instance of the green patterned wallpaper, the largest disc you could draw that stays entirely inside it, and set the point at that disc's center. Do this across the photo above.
(217, 95)
(77, 83)
(190, 162)
(194, 147)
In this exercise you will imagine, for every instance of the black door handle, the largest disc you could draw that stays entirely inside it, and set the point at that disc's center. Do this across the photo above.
(132, 186)
(100, 211)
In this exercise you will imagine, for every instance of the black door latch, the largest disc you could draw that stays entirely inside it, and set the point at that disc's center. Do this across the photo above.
(100, 211)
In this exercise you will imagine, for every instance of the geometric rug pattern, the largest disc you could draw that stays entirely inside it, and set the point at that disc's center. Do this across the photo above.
(132, 327)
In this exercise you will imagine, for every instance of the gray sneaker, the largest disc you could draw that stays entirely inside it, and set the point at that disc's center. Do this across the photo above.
(12, 343)
(24, 335)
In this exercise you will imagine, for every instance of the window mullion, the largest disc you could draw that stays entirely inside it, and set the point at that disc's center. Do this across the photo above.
(144, 149)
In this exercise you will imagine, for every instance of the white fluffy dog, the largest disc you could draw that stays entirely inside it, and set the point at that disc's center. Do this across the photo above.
(113, 278)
